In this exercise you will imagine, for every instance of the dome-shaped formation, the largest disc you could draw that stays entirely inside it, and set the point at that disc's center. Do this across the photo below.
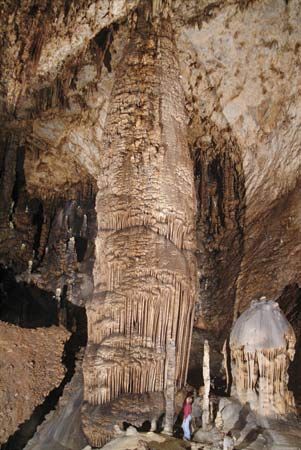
(263, 326)
(262, 343)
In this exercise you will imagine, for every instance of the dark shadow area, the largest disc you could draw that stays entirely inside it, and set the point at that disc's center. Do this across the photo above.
(101, 45)
(218, 382)
(145, 427)
(215, 180)
(220, 193)
(25, 305)
(290, 303)
(177, 428)
(20, 176)
(250, 438)
(126, 425)
(81, 245)
(195, 377)
(242, 418)
(37, 221)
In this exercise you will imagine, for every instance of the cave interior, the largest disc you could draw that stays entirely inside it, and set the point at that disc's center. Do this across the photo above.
(150, 161)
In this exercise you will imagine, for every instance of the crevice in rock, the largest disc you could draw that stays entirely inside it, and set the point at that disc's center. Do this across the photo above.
(100, 46)
(37, 221)
(195, 372)
(220, 220)
(8, 174)
(290, 302)
(81, 245)
(19, 179)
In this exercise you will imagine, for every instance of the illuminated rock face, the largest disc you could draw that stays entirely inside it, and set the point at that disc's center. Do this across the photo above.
(145, 270)
(262, 344)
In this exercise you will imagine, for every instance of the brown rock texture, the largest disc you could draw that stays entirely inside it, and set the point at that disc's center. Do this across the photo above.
(31, 366)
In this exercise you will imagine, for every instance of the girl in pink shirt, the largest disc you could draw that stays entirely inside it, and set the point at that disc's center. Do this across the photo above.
(187, 409)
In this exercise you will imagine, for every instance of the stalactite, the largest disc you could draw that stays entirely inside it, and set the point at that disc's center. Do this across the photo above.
(144, 273)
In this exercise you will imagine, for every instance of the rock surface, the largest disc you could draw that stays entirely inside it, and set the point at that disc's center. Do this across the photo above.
(62, 428)
(145, 441)
(31, 366)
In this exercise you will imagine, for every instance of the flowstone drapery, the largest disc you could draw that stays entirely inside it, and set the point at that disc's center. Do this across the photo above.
(144, 274)
(262, 344)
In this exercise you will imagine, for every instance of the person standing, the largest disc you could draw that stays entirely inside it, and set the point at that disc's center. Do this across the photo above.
(187, 410)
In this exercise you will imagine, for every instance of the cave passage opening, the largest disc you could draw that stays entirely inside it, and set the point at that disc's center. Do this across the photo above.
(24, 304)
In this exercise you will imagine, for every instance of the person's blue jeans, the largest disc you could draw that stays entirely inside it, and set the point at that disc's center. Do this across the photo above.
(186, 427)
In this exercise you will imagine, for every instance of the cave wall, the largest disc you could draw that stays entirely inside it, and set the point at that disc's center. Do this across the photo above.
(244, 75)
(240, 72)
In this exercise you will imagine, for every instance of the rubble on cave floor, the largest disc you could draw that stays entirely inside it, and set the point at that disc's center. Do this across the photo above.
(132, 440)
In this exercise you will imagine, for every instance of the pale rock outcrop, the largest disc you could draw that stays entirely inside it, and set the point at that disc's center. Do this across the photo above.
(262, 344)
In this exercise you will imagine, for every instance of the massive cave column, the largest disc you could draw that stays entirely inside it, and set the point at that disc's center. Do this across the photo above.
(145, 270)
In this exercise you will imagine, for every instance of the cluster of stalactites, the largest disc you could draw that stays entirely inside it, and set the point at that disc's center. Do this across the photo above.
(161, 7)
(260, 371)
(261, 379)
(124, 376)
(250, 367)
(137, 328)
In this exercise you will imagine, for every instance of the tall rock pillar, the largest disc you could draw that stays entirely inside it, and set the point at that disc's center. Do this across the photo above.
(145, 270)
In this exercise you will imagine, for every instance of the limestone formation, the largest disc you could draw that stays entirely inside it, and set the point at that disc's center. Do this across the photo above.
(206, 393)
(262, 344)
(170, 387)
(144, 273)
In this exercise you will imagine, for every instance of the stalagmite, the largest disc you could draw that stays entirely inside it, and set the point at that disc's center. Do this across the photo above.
(29, 270)
(170, 387)
(58, 293)
(262, 344)
(84, 226)
(144, 273)
(206, 378)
